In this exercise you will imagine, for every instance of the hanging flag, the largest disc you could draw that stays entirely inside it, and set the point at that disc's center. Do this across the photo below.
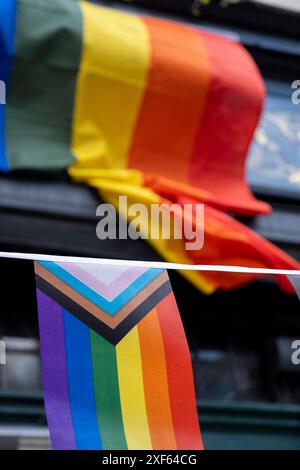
(116, 365)
(133, 92)
(143, 107)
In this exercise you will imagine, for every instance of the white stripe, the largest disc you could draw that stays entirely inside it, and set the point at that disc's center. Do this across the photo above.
(148, 264)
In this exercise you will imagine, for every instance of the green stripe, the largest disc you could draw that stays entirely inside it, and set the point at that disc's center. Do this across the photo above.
(43, 84)
(106, 387)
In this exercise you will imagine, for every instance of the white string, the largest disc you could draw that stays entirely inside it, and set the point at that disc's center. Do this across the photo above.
(147, 264)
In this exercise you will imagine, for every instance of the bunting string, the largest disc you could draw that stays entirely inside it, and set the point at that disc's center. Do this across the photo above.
(116, 365)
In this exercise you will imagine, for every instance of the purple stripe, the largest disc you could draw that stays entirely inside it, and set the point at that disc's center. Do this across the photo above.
(109, 292)
(55, 379)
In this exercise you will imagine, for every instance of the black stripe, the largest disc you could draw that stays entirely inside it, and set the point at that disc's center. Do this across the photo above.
(112, 335)
(74, 308)
(141, 311)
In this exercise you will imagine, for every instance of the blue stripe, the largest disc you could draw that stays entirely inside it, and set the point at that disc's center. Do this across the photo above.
(81, 383)
(7, 45)
(110, 307)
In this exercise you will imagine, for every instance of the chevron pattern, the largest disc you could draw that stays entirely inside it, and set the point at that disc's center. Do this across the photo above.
(111, 300)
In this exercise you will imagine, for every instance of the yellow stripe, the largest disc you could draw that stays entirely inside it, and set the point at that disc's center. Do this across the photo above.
(132, 392)
(111, 83)
(113, 183)
(171, 250)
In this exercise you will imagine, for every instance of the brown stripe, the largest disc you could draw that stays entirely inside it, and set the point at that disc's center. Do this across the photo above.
(97, 312)
(137, 300)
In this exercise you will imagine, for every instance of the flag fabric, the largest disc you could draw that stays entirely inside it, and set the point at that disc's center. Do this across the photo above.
(110, 90)
(143, 107)
(117, 372)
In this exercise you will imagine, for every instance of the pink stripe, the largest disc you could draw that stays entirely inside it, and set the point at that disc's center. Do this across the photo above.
(109, 292)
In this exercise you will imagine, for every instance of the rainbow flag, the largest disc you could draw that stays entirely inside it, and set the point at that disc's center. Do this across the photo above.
(109, 90)
(116, 365)
(143, 107)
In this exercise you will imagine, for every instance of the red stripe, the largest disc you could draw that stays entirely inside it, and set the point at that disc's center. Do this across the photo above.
(227, 125)
(228, 242)
(180, 376)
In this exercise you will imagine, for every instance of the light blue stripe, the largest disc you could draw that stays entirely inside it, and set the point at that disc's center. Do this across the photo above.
(110, 307)
(81, 383)
(7, 44)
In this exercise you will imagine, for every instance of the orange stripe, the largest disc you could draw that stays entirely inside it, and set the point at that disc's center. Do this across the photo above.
(156, 383)
(176, 93)
(180, 376)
